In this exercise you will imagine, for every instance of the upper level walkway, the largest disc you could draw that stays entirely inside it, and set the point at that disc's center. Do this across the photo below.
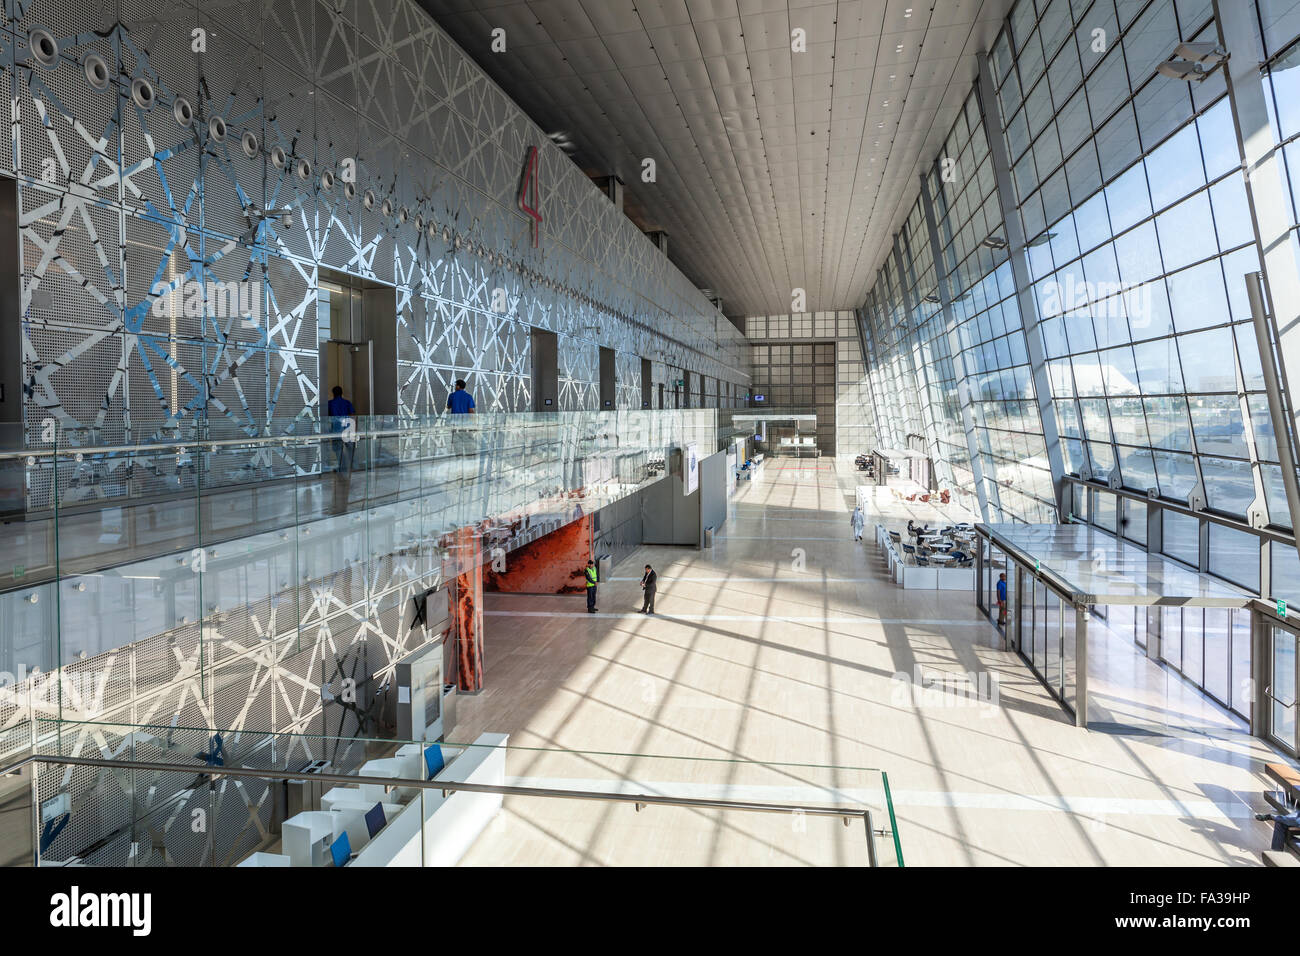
(211, 534)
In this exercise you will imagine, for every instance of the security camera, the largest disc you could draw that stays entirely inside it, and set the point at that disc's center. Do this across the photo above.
(286, 222)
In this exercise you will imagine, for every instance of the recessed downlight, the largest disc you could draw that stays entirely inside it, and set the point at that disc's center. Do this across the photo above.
(250, 144)
(278, 157)
(183, 111)
(217, 129)
(304, 170)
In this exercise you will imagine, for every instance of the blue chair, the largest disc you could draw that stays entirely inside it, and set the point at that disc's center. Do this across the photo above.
(433, 760)
(341, 849)
(375, 820)
(922, 562)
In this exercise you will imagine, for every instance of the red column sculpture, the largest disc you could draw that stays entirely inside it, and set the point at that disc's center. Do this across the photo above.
(463, 572)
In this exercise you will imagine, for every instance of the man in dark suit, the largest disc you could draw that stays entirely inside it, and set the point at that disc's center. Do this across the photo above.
(648, 584)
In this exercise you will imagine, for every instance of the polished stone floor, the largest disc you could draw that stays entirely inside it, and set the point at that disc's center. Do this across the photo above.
(787, 645)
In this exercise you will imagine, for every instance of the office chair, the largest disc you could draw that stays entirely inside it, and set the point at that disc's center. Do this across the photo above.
(375, 820)
(433, 760)
(341, 850)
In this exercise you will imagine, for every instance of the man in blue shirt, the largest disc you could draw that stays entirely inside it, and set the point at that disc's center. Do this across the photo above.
(1002, 599)
(340, 411)
(460, 402)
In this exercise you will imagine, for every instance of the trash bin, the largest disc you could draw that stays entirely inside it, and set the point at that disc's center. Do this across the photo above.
(604, 567)
(708, 536)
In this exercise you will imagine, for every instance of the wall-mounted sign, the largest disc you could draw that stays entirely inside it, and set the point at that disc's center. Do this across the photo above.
(760, 398)
(692, 472)
(529, 200)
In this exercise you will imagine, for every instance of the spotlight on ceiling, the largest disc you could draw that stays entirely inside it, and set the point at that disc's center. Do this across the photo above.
(994, 242)
(563, 141)
(1193, 61)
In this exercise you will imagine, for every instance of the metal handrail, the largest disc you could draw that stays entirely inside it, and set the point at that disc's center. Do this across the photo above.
(638, 800)
(487, 422)
(181, 446)
(1268, 692)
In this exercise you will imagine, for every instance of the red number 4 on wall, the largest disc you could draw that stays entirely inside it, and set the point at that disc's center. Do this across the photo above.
(528, 197)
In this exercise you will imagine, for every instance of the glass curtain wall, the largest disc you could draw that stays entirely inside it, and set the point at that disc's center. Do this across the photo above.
(1140, 235)
(1128, 187)
(1138, 231)
(1008, 429)
(933, 349)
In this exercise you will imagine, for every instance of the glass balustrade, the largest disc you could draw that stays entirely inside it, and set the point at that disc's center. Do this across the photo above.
(539, 805)
(204, 539)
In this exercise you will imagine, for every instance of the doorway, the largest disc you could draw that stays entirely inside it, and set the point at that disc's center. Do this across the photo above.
(351, 366)
(356, 323)
(545, 349)
(647, 382)
(608, 394)
(1280, 669)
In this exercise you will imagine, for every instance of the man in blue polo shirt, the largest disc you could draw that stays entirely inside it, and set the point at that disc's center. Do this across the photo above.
(1002, 600)
(460, 402)
(340, 412)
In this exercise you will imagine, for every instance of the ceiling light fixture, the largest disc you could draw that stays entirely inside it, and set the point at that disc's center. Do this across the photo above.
(1193, 61)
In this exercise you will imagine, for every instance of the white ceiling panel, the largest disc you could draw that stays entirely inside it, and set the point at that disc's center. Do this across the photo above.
(776, 169)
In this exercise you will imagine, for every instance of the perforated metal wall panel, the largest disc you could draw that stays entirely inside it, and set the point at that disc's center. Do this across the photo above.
(218, 154)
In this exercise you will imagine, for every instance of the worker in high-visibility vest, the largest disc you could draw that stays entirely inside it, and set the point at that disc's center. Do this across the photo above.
(591, 586)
